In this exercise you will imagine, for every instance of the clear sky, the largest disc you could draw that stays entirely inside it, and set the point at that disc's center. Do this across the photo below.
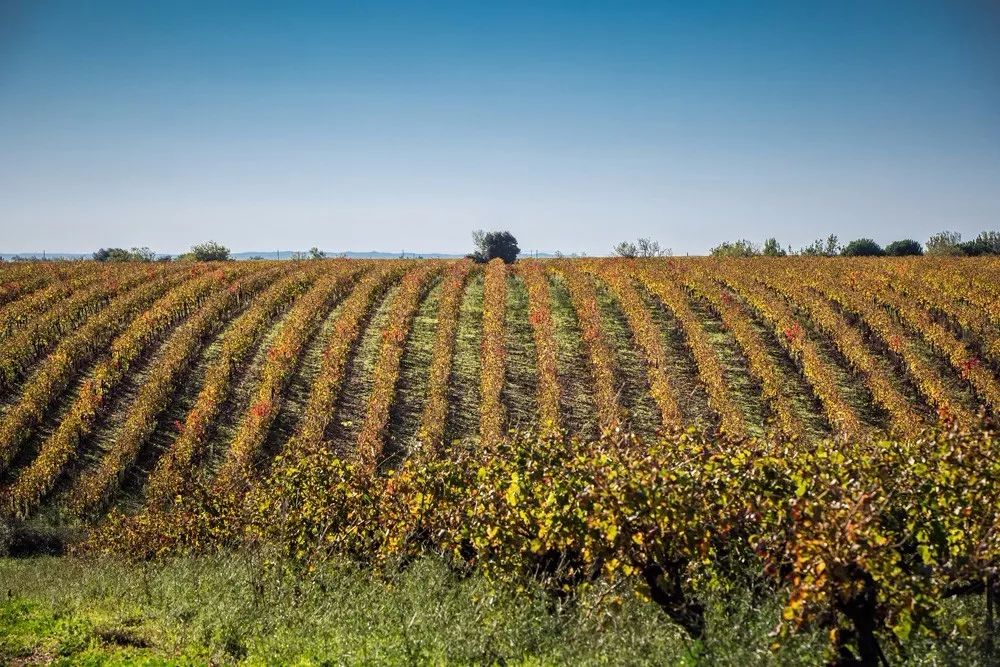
(389, 126)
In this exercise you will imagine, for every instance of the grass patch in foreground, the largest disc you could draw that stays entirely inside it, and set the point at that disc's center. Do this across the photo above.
(230, 610)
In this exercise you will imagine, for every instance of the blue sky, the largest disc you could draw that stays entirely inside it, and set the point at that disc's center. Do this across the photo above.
(389, 126)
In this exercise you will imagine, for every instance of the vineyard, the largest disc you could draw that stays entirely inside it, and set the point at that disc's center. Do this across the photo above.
(824, 423)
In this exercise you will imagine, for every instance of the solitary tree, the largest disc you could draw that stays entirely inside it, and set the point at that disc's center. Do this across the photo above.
(316, 253)
(862, 248)
(904, 248)
(494, 244)
(627, 249)
(210, 252)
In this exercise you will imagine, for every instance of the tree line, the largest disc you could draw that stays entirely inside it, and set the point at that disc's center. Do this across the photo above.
(941, 244)
(503, 245)
(209, 251)
(489, 245)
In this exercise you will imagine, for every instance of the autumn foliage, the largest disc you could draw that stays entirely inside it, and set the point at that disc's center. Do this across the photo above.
(822, 428)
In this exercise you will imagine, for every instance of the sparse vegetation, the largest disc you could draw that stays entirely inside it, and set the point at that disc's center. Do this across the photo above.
(643, 247)
(823, 248)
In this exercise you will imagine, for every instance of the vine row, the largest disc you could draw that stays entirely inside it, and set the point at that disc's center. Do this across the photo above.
(173, 470)
(404, 308)
(179, 352)
(40, 475)
(546, 352)
(55, 373)
(661, 282)
(435, 412)
(282, 358)
(493, 353)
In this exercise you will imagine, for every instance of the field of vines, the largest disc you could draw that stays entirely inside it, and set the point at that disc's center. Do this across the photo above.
(821, 427)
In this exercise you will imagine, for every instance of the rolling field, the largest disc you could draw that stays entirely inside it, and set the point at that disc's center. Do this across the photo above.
(117, 382)
(151, 400)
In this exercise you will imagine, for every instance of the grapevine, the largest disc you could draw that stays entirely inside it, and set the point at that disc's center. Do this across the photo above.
(543, 332)
(282, 357)
(38, 477)
(54, 374)
(732, 420)
(173, 469)
(404, 308)
(602, 363)
(178, 354)
(493, 354)
(760, 363)
(793, 337)
(903, 417)
(432, 421)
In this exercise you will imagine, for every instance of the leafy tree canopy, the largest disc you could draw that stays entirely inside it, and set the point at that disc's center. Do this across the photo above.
(862, 248)
(987, 243)
(210, 252)
(123, 255)
(490, 245)
(904, 248)
(741, 248)
(773, 249)
(945, 243)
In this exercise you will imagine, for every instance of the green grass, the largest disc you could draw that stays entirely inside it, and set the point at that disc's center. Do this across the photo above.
(577, 383)
(414, 376)
(631, 374)
(463, 398)
(521, 386)
(228, 610)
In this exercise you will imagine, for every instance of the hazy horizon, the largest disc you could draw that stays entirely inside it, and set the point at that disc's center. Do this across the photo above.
(394, 126)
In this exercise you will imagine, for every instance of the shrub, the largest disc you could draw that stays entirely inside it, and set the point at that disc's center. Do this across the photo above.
(122, 255)
(862, 248)
(904, 248)
(741, 248)
(644, 247)
(210, 252)
(627, 249)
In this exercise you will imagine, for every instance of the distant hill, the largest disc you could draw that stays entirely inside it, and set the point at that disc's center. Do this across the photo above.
(354, 254)
(45, 255)
(273, 254)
